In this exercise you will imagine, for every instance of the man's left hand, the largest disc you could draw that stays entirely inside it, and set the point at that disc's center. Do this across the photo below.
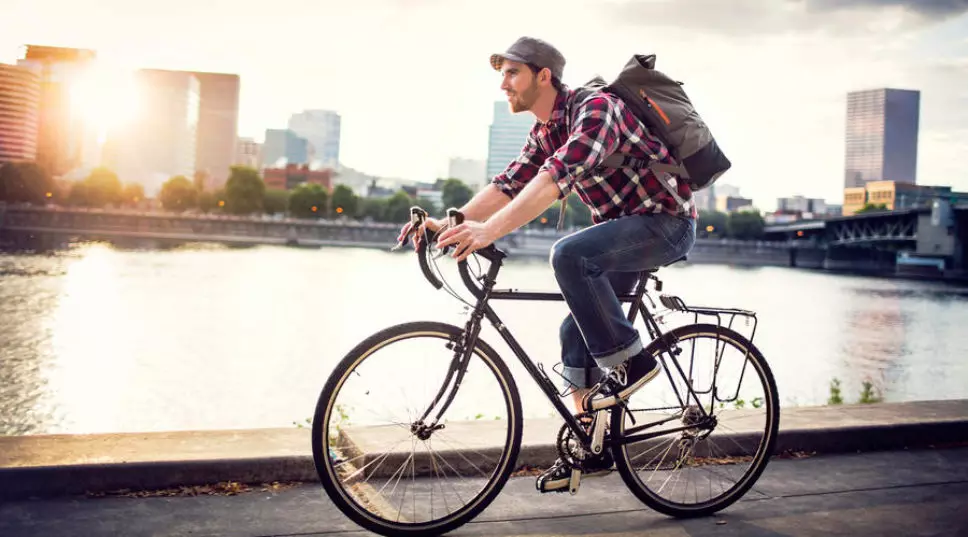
(468, 238)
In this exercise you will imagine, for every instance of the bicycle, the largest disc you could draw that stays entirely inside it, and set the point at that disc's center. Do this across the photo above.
(361, 458)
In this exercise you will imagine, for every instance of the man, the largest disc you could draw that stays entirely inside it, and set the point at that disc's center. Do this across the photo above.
(639, 223)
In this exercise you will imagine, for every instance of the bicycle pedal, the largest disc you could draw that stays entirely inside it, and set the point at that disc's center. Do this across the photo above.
(575, 481)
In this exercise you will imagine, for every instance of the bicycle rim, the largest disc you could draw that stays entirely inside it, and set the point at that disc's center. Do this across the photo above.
(726, 444)
(374, 462)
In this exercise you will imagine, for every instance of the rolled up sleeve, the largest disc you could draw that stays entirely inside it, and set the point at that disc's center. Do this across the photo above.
(521, 170)
(594, 137)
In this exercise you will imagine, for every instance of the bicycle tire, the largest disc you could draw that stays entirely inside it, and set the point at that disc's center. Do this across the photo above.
(764, 451)
(324, 409)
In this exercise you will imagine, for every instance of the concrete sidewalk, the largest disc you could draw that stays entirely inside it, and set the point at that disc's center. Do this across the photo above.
(899, 493)
(52, 465)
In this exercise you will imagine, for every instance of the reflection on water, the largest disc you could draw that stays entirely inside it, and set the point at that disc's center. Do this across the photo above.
(97, 338)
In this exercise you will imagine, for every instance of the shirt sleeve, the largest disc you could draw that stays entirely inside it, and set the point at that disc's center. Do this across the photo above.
(593, 138)
(522, 169)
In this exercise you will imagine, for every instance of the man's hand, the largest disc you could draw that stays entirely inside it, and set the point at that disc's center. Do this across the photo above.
(469, 237)
(432, 224)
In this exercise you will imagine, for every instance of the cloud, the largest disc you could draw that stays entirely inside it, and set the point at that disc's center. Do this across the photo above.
(931, 9)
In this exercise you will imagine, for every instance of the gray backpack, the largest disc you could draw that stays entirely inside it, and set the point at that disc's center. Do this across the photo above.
(663, 107)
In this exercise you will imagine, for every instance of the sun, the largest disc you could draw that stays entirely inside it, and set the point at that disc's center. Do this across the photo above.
(104, 99)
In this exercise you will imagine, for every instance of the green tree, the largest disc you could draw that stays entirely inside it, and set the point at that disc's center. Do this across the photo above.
(374, 208)
(430, 206)
(25, 182)
(103, 188)
(872, 207)
(207, 201)
(455, 193)
(178, 194)
(244, 191)
(745, 225)
(276, 200)
(345, 202)
(398, 207)
(308, 200)
(132, 194)
(78, 194)
(714, 219)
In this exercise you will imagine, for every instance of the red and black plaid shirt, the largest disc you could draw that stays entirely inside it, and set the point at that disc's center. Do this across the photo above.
(573, 151)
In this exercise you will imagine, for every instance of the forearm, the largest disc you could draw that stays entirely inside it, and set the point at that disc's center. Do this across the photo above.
(485, 203)
(537, 196)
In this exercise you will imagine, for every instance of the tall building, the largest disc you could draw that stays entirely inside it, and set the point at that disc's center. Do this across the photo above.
(248, 153)
(801, 205)
(882, 136)
(322, 129)
(64, 137)
(284, 144)
(162, 142)
(19, 113)
(218, 125)
(508, 134)
(472, 172)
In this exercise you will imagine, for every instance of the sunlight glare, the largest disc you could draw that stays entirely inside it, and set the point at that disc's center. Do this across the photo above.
(105, 98)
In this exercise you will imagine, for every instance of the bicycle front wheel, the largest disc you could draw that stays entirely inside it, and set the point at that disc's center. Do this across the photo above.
(381, 456)
(697, 437)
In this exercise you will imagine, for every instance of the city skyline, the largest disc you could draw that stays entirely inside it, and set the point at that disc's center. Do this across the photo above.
(811, 54)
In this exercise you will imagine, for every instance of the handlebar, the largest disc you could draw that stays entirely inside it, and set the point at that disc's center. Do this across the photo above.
(454, 218)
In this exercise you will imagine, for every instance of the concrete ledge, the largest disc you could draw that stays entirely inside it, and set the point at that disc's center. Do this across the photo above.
(52, 465)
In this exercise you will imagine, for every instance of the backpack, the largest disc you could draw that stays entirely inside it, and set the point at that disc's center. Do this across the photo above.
(660, 103)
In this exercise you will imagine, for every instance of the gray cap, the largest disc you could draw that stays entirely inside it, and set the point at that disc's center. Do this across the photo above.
(534, 51)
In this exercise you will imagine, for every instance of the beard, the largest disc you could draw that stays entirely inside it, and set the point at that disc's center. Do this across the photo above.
(522, 102)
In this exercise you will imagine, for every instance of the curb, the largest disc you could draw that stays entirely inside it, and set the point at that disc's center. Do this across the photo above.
(284, 455)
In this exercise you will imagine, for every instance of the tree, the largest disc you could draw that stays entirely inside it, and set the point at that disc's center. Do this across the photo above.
(374, 208)
(714, 220)
(25, 182)
(103, 188)
(276, 201)
(398, 207)
(207, 201)
(745, 225)
(132, 194)
(244, 191)
(308, 200)
(872, 208)
(345, 202)
(455, 193)
(178, 194)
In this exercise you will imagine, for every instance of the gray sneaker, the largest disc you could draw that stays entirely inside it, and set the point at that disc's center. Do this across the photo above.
(556, 478)
(626, 378)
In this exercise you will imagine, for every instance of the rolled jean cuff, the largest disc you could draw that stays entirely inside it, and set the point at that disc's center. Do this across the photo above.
(614, 358)
(575, 376)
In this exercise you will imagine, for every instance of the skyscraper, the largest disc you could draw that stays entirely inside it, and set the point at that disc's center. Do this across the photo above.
(19, 113)
(882, 136)
(64, 137)
(322, 129)
(284, 144)
(218, 125)
(508, 134)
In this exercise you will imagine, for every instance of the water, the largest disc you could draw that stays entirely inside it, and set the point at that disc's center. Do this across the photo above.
(100, 339)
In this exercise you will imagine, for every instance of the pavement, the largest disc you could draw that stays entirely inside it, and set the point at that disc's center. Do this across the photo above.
(888, 493)
(52, 465)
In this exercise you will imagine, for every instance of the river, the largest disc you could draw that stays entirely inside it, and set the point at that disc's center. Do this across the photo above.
(97, 338)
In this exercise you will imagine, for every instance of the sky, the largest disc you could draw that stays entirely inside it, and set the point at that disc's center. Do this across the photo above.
(412, 82)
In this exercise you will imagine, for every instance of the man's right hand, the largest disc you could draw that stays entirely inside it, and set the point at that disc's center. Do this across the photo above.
(433, 224)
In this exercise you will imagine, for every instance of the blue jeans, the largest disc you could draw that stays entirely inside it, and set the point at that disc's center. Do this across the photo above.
(595, 264)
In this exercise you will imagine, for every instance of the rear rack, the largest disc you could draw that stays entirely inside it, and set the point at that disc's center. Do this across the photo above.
(676, 304)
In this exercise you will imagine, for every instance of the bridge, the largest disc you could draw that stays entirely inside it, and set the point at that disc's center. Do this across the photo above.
(921, 236)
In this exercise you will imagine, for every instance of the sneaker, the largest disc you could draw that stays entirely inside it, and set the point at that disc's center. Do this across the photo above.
(628, 377)
(556, 478)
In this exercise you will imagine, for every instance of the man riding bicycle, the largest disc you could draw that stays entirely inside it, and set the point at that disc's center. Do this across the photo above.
(642, 219)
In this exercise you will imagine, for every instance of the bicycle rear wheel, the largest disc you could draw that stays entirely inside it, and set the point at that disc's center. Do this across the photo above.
(708, 445)
(375, 453)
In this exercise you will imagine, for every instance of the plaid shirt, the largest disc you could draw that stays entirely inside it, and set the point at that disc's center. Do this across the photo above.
(572, 152)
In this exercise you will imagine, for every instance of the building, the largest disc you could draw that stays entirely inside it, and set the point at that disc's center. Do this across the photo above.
(65, 139)
(729, 204)
(508, 134)
(162, 142)
(293, 175)
(882, 136)
(248, 152)
(896, 196)
(283, 146)
(322, 129)
(19, 113)
(801, 206)
(218, 125)
(471, 172)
